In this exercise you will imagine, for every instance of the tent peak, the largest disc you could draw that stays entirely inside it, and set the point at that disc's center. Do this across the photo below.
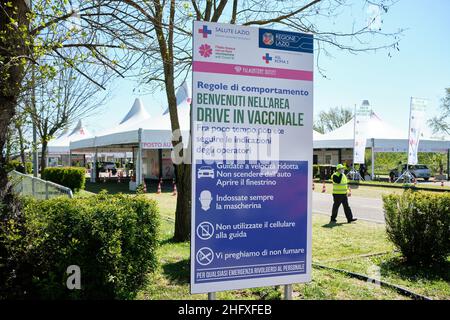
(78, 128)
(137, 111)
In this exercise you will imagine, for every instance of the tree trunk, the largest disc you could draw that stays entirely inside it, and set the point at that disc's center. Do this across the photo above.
(21, 146)
(8, 105)
(183, 210)
(9, 89)
(44, 155)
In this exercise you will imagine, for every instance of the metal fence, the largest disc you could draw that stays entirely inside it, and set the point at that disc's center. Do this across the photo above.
(40, 189)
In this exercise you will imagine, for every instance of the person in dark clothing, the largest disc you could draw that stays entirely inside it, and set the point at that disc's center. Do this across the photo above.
(362, 170)
(340, 195)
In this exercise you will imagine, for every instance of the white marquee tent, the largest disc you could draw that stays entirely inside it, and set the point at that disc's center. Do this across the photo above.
(61, 144)
(381, 137)
(58, 151)
(136, 132)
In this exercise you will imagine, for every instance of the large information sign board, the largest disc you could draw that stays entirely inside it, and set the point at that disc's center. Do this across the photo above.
(252, 111)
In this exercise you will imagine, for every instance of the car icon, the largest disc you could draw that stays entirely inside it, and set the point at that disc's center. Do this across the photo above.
(205, 172)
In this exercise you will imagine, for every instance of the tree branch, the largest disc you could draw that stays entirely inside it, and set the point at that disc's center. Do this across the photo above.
(219, 10)
(282, 17)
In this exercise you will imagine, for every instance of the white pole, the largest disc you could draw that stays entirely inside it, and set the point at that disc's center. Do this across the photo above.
(33, 186)
(373, 159)
(139, 159)
(288, 292)
(354, 129)
(94, 167)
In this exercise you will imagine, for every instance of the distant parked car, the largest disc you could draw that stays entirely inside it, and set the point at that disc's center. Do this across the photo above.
(205, 172)
(105, 166)
(418, 171)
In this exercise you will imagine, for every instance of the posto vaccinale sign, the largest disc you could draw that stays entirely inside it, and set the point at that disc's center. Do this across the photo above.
(252, 157)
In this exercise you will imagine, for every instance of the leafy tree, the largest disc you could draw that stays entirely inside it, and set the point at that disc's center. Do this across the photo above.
(117, 34)
(62, 100)
(332, 119)
(441, 123)
(168, 59)
(80, 33)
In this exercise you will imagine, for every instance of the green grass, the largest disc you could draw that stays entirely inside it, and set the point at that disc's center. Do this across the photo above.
(171, 280)
(344, 240)
(432, 281)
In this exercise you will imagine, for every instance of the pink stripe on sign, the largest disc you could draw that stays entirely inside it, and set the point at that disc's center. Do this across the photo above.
(252, 71)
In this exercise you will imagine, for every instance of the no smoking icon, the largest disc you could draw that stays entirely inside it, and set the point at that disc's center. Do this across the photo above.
(205, 230)
(205, 256)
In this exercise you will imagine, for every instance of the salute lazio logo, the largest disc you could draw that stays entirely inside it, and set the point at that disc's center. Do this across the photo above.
(205, 31)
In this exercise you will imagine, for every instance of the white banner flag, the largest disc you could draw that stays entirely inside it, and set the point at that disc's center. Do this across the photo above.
(361, 120)
(416, 121)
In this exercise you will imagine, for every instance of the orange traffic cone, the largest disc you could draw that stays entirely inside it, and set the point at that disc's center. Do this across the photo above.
(159, 187)
(144, 184)
(174, 189)
(324, 188)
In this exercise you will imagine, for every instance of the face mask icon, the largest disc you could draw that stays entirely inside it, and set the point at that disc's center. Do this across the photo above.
(205, 199)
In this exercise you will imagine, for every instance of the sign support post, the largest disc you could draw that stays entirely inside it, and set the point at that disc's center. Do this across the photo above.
(288, 292)
(211, 296)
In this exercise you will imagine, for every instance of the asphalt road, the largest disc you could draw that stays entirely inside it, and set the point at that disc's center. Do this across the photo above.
(370, 209)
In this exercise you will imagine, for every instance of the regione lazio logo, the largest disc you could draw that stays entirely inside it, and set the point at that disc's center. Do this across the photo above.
(268, 38)
(204, 30)
(205, 50)
(267, 58)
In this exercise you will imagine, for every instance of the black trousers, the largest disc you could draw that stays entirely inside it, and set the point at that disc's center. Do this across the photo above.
(338, 199)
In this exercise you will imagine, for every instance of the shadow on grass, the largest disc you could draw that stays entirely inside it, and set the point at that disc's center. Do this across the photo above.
(169, 241)
(407, 271)
(177, 272)
(333, 225)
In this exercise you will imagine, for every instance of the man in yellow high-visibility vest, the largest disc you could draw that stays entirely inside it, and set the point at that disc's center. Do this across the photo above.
(340, 188)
